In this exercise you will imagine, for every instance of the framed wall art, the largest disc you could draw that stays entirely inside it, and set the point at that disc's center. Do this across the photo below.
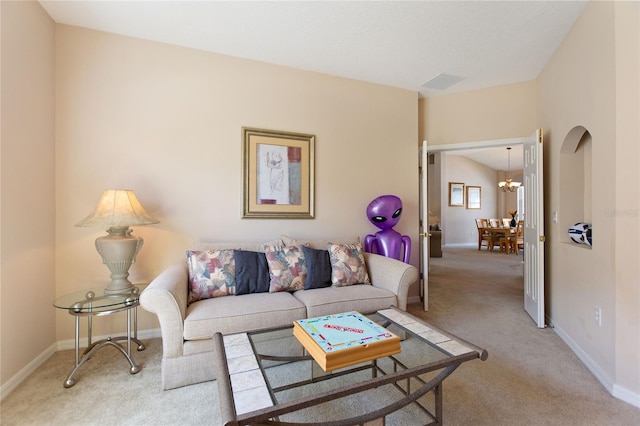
(278, 174)
(456, 194)
(474, 199)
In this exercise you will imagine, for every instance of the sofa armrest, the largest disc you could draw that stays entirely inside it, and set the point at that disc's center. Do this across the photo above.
(166, 296)
(391, 274)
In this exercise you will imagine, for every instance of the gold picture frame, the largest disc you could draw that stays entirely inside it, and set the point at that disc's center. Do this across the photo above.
(474, 197)
(278, 174)
(456, 194)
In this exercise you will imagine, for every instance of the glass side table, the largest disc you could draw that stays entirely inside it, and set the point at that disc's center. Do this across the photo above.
(90, 303)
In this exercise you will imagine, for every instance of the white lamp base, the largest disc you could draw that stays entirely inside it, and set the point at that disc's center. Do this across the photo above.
(118, 251)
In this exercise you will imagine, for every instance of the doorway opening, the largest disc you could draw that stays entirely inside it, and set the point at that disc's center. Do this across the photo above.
(452, 163)
(452, 220)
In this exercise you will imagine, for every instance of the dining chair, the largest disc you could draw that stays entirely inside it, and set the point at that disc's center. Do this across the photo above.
(484, 236)
(506, 222)
(481, 223)
(514, 241)
(519, 236)
(495, 223)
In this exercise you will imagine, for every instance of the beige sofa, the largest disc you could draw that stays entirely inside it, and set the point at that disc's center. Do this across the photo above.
(187, 329)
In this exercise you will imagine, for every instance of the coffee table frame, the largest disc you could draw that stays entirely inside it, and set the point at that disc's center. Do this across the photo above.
(268, 415)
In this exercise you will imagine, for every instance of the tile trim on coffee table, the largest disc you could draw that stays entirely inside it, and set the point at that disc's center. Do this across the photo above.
(249, 388)
(428, 333)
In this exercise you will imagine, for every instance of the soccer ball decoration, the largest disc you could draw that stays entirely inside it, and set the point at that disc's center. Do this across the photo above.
(580, 233)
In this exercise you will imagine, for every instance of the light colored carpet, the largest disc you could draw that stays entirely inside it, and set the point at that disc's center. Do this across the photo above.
(530, 377)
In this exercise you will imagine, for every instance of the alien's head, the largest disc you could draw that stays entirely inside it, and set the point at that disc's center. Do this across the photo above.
(384, 212)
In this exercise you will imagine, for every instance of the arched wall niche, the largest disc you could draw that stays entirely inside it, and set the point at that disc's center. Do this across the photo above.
(575, 180)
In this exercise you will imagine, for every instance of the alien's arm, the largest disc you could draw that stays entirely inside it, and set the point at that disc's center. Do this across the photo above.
(407, 248)
(369, 241)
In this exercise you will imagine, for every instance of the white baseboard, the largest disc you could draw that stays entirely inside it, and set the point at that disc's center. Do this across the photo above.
(15, 381)
(460, 245)
(22, 375)
(626, 395)
(615, 390)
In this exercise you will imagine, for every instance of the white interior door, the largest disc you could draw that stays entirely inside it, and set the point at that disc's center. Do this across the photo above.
(424, 227)
(534, 229)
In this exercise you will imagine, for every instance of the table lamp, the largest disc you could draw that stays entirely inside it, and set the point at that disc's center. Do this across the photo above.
(117, 210)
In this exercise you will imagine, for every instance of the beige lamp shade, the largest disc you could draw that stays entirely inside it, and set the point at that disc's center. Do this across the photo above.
(118, 207)
(117, 210)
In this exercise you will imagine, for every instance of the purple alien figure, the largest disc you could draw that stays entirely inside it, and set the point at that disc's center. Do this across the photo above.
(384, 212)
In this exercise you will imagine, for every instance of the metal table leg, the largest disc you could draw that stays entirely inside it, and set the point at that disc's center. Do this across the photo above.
(94, 347)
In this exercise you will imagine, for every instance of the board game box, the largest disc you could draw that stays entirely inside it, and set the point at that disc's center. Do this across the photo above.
(341, 340)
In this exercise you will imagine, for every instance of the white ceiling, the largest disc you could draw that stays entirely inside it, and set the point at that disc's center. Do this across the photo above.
(402, 44)
(396, 43)
(496, 157)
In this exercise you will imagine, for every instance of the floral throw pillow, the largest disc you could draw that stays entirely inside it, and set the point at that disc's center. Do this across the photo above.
(211, 274)
(347, 265)
(287, 269)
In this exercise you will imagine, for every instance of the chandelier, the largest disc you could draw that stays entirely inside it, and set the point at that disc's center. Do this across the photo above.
(509, 185)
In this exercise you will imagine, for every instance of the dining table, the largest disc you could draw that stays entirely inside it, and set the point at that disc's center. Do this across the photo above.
(496, 232)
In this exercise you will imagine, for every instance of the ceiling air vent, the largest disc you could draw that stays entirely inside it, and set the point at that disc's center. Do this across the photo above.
(442, 81)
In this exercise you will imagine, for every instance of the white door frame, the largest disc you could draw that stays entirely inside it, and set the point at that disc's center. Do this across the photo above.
(534, 229)
(424, 226)
(486, 144)
(479, 144)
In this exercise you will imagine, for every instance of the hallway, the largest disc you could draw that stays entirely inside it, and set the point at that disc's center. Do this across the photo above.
(531, 376)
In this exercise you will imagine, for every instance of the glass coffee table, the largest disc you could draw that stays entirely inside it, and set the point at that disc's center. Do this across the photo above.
(266, 377)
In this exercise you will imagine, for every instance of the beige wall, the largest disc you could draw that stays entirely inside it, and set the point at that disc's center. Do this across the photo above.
(627, 233)
(592, 81)
(27, 186)
(166, 122)
(502, 112)
(496, 113)
(459, 222)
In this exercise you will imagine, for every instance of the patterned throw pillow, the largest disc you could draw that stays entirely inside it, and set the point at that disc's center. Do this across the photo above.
(211, 274)
(347, 265)
(319, 244)
(287, 269)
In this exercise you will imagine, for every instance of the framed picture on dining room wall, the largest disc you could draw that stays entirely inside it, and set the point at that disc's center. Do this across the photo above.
(474, 198)
(456, 194)
(278, 174)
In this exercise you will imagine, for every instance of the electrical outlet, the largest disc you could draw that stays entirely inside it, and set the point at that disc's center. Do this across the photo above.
(597, 315)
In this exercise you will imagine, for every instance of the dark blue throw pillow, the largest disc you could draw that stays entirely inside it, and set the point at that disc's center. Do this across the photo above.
(252, 272)
(318, 268)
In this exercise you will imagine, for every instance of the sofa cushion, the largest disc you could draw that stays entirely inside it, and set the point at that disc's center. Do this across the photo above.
(262, 247)
(252, 272)
(334, 300)
(287, 269)
(318, 268)
(347, 264)
(318, 243)
(240, 314)
(211, 274)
